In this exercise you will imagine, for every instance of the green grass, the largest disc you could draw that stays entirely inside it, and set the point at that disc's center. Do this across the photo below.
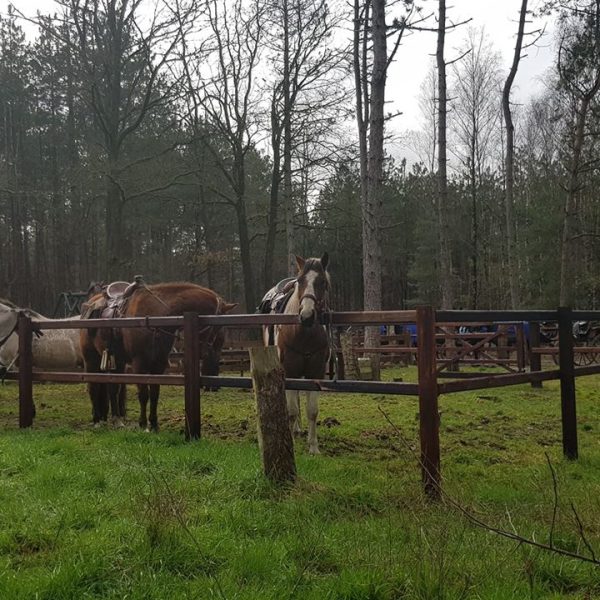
(102, 513)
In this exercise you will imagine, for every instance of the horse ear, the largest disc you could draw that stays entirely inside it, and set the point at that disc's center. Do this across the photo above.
(325, 260)
(228, 306)
(300, 262)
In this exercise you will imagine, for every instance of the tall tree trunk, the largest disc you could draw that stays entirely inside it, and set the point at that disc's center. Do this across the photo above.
(244, 235)
(362, 93)
(287, 146)
(509, 162)
(446, 275)
(115, 259)
(273, 198)
(371, 212)
(246, 257)
(474, 230)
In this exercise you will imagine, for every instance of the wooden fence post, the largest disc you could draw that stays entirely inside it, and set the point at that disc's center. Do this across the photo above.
(26, 408)
(520, 342)
(503, 351)
(275, 440)
(191, 371)
(567, 382)
(351, 370)
(535, 359)
(429, 418)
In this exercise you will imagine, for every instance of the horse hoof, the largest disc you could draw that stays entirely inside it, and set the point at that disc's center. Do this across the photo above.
(118, 423)
(313, 451)
(147, 430)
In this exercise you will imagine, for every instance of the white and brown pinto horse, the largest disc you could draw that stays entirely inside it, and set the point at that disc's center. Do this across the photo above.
(304, 349)
(55, 349)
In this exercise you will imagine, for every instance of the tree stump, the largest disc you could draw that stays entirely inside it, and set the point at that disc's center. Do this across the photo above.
(275, 440)
(351, 370)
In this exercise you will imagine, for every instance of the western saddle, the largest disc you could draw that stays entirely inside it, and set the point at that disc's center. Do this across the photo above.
(113, 301)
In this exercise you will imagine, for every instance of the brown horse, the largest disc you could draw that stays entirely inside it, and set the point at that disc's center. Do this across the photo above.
(146, 350)
(304, 349)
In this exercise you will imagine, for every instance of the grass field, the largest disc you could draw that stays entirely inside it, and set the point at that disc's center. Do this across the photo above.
(102, 513)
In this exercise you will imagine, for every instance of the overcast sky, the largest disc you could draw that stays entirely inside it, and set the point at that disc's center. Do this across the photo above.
(498, 17)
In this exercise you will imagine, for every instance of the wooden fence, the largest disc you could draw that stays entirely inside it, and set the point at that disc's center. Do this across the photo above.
(428, 324)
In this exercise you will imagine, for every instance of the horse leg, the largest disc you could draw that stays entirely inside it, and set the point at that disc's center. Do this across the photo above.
(95, 391)
(312, 412)
(143, 398)
(103, 401)
(113, 391)
(122, 403)
(154, 392)
(117, 393)
(293, 404)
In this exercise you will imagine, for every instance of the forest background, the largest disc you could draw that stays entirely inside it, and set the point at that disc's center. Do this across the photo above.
(210, 140)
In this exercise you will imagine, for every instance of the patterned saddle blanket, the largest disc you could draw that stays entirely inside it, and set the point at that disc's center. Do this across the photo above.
(277, 297)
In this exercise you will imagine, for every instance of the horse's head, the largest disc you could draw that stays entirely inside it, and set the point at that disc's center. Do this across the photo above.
(313, 288)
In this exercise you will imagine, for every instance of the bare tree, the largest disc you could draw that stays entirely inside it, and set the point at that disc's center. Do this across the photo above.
(509, 161)
(426, 139)
(447, 271)
(307, 93)
(476, 114)
(230, 103)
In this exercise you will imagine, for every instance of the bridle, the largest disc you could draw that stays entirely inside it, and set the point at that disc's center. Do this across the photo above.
(321, 305)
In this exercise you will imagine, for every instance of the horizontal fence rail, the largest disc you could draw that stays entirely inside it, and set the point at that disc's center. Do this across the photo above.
(307, 385)
(249, 320)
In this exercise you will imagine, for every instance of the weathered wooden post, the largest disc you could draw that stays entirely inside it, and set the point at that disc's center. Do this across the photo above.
(407, 358)
(351, 370)
(26, 408)
(567, 382)
(520, 342)
(191, 373)
(503, 351)
(274, 434)
(535, 358)
(429, 418)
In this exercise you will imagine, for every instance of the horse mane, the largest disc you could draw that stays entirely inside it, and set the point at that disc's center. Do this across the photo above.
(28, 311)
(8, 303)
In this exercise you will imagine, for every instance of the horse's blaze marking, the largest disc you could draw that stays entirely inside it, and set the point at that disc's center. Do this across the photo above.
(307, 305)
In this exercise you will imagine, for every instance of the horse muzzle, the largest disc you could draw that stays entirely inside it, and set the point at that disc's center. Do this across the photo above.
(307, 318)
